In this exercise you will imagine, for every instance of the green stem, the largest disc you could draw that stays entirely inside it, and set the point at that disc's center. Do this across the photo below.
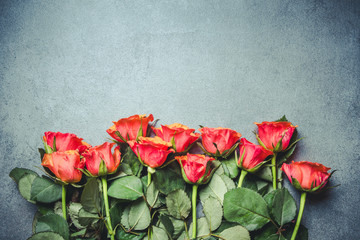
(149, 178)
(301, 210)
(274, 169)
(194, 196)
(63, 201)
(242, 177)
(107, 209)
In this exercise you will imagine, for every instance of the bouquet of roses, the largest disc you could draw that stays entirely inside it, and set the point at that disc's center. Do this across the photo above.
(170, 183)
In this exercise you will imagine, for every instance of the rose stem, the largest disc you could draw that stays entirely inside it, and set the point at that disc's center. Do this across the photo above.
(63, 200)
(242, 177)
(194, 196)
(301, 210)
(149, 178)
(106, 202)
(274, 169)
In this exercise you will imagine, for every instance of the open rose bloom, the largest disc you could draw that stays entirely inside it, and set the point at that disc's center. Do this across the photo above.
(219, 141)
(252, 156)
(65, 165)
(151, 152)
(65, 141)
(130, 128)
(270, 134)
(181, 135)
(307, 176)
(196, 168)
(95, 155)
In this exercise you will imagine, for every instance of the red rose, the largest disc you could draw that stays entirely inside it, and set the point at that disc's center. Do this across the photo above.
(64, 165)
(223, 138)
(65, 141)
(306, 176)
(196, 168)
(94, 155)
(130, 127)
(270, 133)
(253, 157)
(151, 151)
(183, 136)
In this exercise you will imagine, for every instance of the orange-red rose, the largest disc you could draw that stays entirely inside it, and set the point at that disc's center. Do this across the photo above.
(64, 165)
(65, 141)
(195, 168)
(94, 155)
(223, 138)
(130, 127)
(270, 133)
(183, 136)
(252, 156)
(151, 151)
(307, 176)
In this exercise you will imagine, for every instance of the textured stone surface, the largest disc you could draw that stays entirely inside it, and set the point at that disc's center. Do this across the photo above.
(75, 66)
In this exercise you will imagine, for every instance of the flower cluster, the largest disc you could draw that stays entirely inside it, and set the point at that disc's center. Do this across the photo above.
(153, 172)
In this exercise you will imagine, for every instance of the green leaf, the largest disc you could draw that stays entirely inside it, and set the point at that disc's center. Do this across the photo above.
(90, 197)
(116, 211)
(202, 227)
(73, 211)
(215, 188)
(228, 182)
(53, 223)
(35, 219)
(86, 218)
(213, 212)
(178, 204)
(139, 215)
(237, 232)
(167, 224)
(130, 163)
(166, 180)
(122, 235)
(282, 205)
(246, 207)
(178, 227)
(301, 235)
(125, 217)
(46, 236)
(45, 191)
(152, 194)
(25, 184)
(265, 174)
(17, 173)
(159, 234)
(230, 167)
(128, 188)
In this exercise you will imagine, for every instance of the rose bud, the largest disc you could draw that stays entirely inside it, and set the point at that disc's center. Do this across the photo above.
(63, 142)
(95, 155)
(152, 152)
(130, 128)
(65, 165)
(275, 136)
(196, 168)
(179, 135)
(219, 141)
(252, 156)
(307, 176)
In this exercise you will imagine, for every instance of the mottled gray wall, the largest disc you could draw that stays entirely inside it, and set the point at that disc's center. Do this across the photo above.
(75, 66)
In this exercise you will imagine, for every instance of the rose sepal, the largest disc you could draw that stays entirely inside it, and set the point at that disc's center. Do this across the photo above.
(211, 166)
(224, 155)
(312, 190)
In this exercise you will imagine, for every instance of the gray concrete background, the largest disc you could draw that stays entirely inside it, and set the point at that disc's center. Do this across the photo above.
(75, 66)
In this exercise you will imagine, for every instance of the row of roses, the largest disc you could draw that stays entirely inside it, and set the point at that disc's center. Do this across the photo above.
(68, 156)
